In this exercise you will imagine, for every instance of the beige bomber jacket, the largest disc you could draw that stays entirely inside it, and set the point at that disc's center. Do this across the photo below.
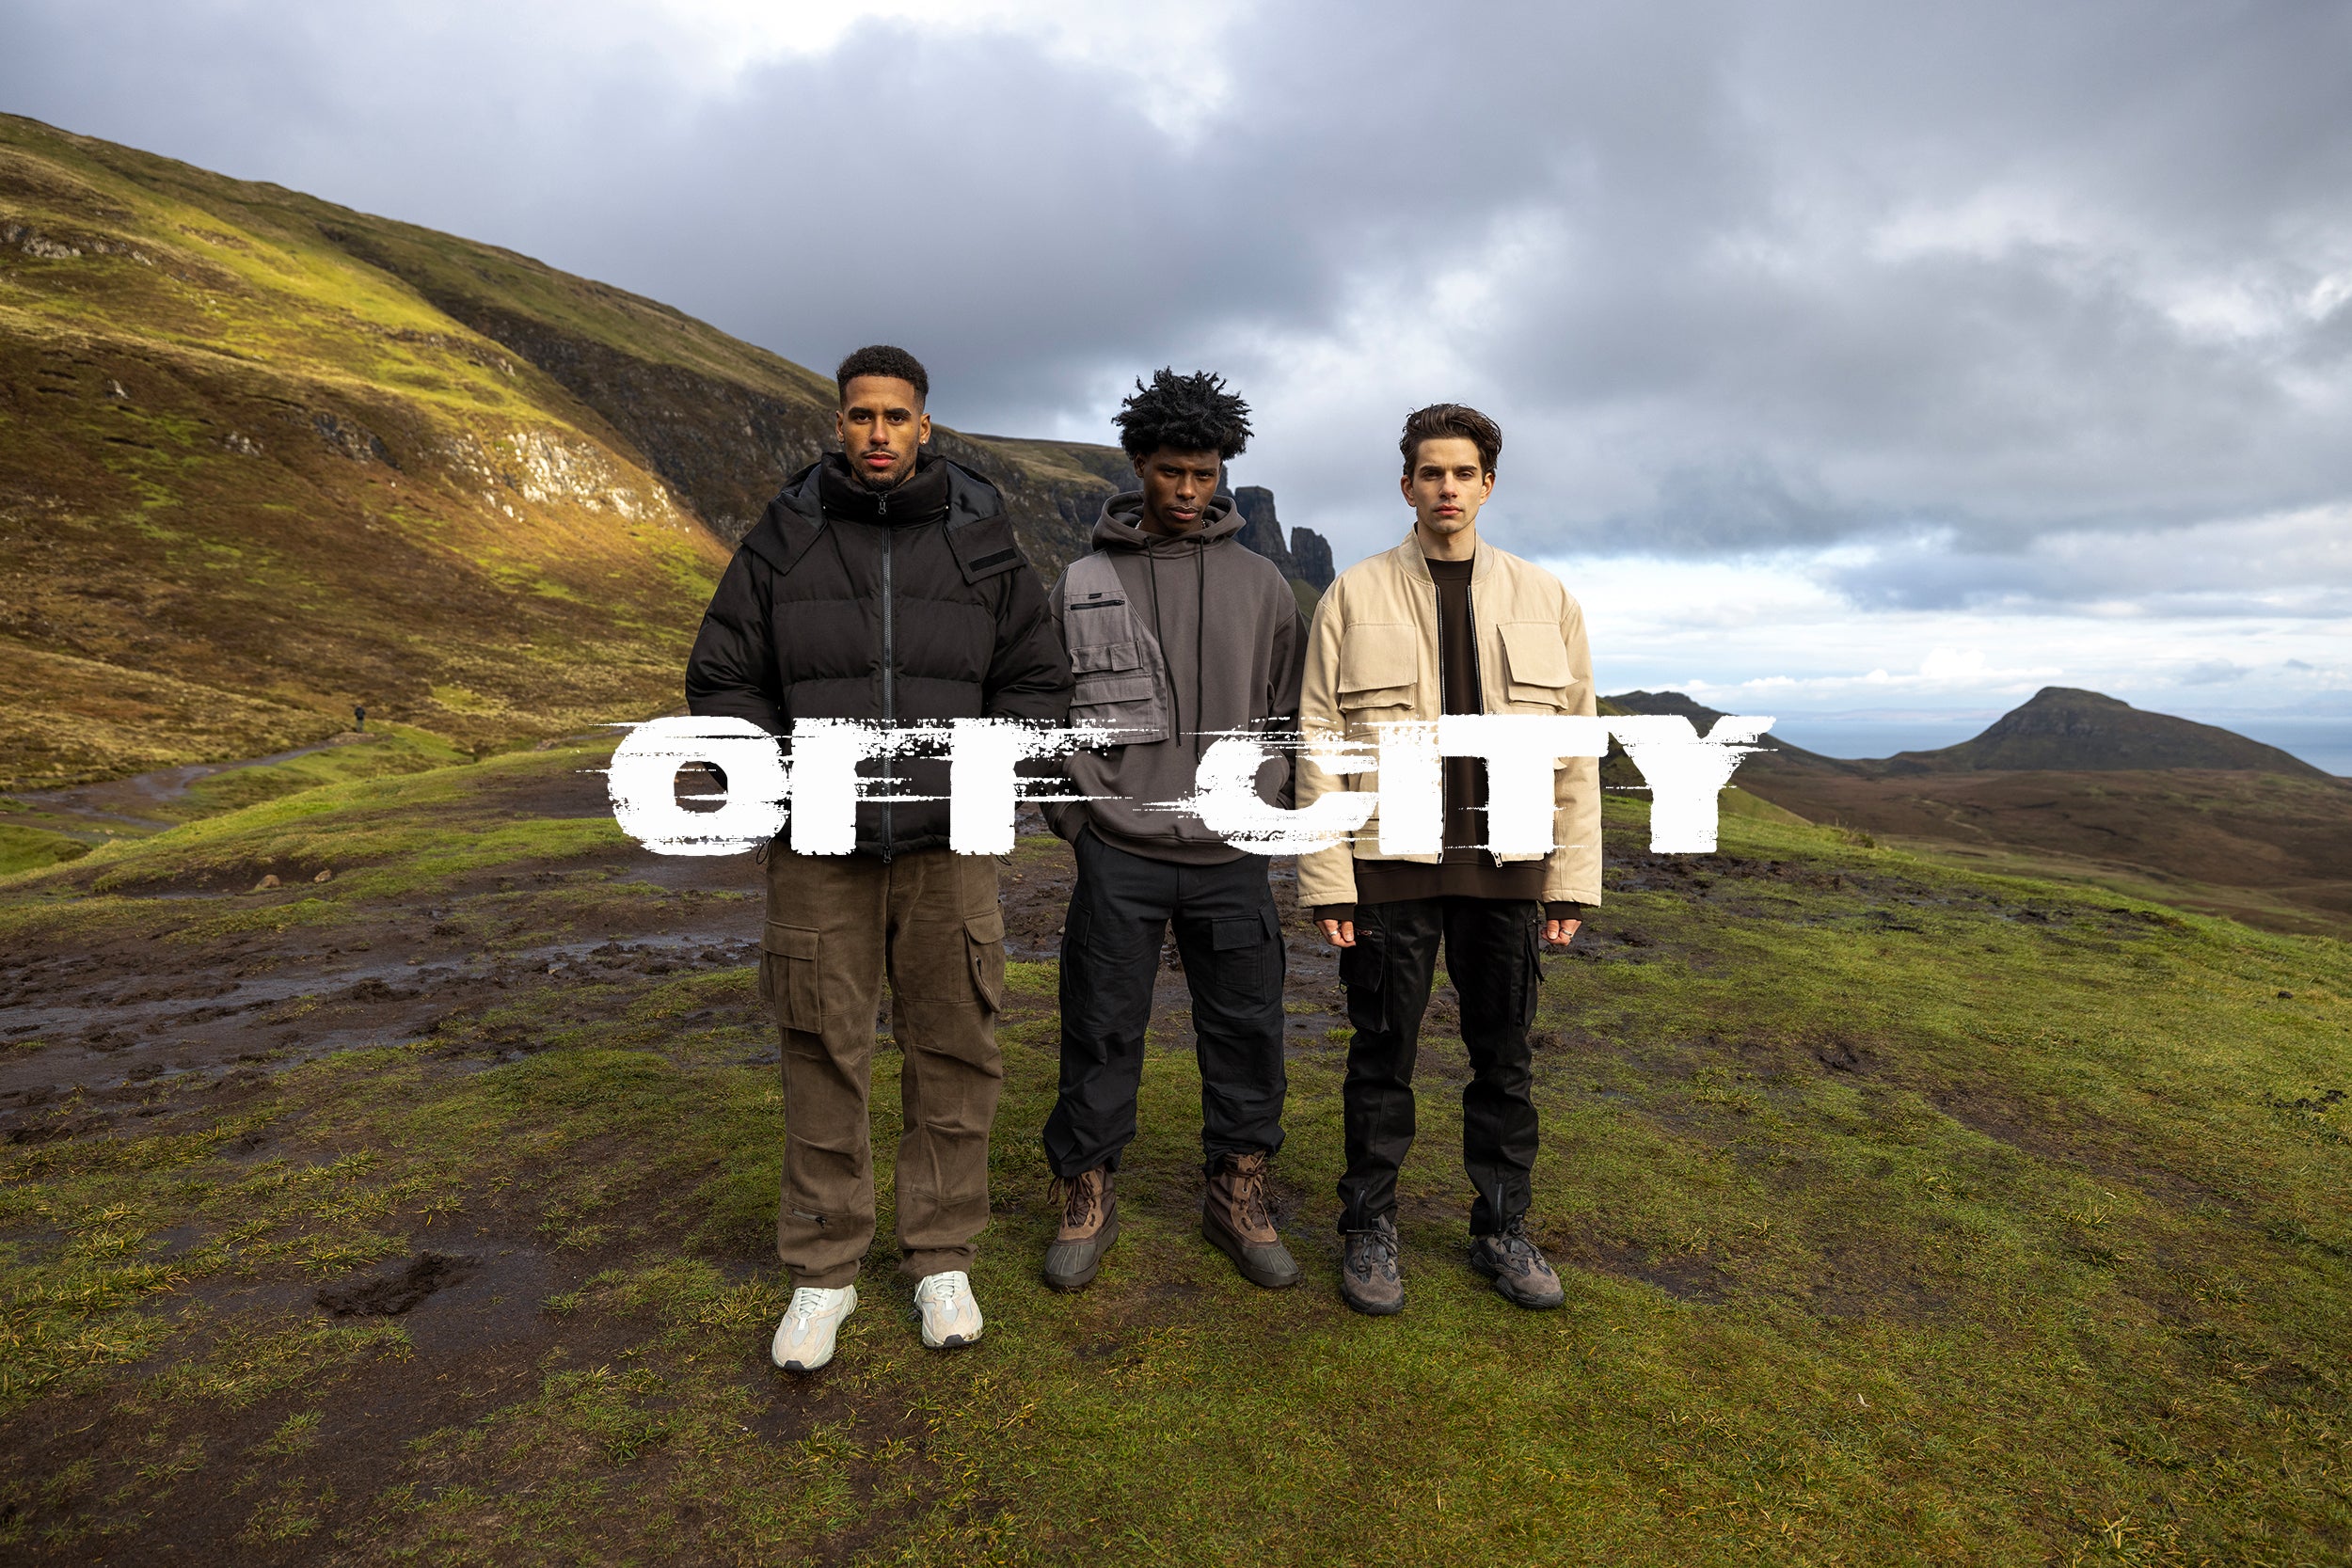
(1372, 657)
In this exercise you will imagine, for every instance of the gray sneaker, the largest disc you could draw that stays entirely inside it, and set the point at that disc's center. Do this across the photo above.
(1369, 1281)
(1517, 1268)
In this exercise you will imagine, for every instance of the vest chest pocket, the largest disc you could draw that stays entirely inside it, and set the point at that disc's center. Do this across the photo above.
(1117, 673)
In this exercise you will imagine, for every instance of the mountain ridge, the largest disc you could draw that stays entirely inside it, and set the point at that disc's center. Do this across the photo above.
(2059, 729)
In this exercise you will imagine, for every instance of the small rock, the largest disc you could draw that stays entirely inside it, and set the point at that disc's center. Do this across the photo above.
(324, 877)
(115, 390)
(267, 881)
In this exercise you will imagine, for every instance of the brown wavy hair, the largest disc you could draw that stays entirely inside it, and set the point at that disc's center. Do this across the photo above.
(1440, 421)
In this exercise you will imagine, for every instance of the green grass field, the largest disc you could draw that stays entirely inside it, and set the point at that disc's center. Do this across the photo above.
(1906, 1215)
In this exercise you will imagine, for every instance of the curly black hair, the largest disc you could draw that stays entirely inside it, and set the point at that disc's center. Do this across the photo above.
(1183, 413)
(883, 359)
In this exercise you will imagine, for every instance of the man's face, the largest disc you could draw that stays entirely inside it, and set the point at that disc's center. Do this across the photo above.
(1447, 485)
(881, 425)
(1177, 488)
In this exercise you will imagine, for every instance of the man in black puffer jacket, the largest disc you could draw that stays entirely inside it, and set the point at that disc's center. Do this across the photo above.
(883, 584)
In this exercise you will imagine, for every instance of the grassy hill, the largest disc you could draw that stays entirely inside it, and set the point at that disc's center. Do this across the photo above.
(1907, 1216)
(269, 459)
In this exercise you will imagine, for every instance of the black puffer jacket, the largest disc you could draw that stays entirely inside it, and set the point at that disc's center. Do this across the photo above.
(900, 604)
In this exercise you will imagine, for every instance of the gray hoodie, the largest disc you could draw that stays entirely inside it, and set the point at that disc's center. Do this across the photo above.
(1232, 645)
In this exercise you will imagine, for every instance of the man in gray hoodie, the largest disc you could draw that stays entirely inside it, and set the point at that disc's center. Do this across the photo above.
(1178, 634)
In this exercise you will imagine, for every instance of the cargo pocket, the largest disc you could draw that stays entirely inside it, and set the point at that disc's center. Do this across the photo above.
(787, 976)
(1117, 688)
(1363, 969)
(984, 942)
(1240, 949)
(1534, 987)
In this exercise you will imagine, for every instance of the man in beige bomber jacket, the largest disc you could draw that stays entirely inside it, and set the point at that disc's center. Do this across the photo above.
(1446, 623)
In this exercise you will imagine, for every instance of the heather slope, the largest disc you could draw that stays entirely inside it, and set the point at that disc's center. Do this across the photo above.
(249, 482)
(269, 459)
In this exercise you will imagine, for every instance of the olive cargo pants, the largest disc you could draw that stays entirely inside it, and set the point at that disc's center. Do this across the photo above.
(837, 925)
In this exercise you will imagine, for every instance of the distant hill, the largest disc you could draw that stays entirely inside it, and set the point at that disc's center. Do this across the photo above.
(269, 459)
(2082, 786)
(2059, 729)
(1777, 756)
(2062, 728)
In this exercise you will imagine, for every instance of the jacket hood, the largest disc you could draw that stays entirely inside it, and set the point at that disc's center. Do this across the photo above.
(794, 519)
(1120, 526)
(969, 497)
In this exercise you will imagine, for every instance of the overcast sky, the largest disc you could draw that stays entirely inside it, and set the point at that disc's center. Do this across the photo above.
(1849, 356)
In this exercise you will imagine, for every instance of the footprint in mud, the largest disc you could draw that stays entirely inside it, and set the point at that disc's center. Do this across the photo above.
(391, 1292)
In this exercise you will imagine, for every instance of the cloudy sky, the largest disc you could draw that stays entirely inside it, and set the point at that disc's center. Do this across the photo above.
(1853, 357)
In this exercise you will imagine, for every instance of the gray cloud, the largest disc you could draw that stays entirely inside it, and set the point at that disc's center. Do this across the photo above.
(1987, 291)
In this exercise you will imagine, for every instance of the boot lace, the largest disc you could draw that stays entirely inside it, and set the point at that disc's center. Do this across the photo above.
(1373, 1253)
(1516, 1246)
(1250, 1196)
(1075, 1196)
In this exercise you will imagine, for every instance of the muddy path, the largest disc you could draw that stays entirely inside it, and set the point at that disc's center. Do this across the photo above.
(107, 1013)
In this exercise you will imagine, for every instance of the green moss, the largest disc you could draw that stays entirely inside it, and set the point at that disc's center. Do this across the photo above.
(1906, 1215)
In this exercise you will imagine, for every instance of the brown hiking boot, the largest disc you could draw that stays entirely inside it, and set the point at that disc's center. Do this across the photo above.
(1090, 1224)
(1238, 1221)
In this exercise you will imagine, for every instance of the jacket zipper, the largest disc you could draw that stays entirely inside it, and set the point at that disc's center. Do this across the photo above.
(890, 666)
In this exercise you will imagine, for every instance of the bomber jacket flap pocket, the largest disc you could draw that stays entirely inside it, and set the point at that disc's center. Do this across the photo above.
(1375, 661)
(1535, 653)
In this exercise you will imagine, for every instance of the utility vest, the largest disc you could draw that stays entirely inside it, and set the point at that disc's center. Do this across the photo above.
(1121, 673)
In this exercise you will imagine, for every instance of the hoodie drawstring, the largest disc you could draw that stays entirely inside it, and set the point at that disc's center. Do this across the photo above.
(1200, 641)
(1152, 575)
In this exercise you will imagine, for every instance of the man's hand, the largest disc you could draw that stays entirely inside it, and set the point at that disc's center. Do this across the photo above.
(1557, 932)
(1340, 933)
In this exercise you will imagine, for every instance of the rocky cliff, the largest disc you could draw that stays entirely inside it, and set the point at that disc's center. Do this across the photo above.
(1304, 558)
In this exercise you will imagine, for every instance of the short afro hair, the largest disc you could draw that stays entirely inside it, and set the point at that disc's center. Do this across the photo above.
(882, 360)
(1183, 413)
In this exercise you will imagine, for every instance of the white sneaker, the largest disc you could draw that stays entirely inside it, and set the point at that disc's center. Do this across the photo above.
(950, 1316)
(805, 1338)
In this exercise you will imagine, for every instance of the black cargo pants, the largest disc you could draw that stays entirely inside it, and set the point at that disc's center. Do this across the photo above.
(1230, 941)
(1494, 957)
